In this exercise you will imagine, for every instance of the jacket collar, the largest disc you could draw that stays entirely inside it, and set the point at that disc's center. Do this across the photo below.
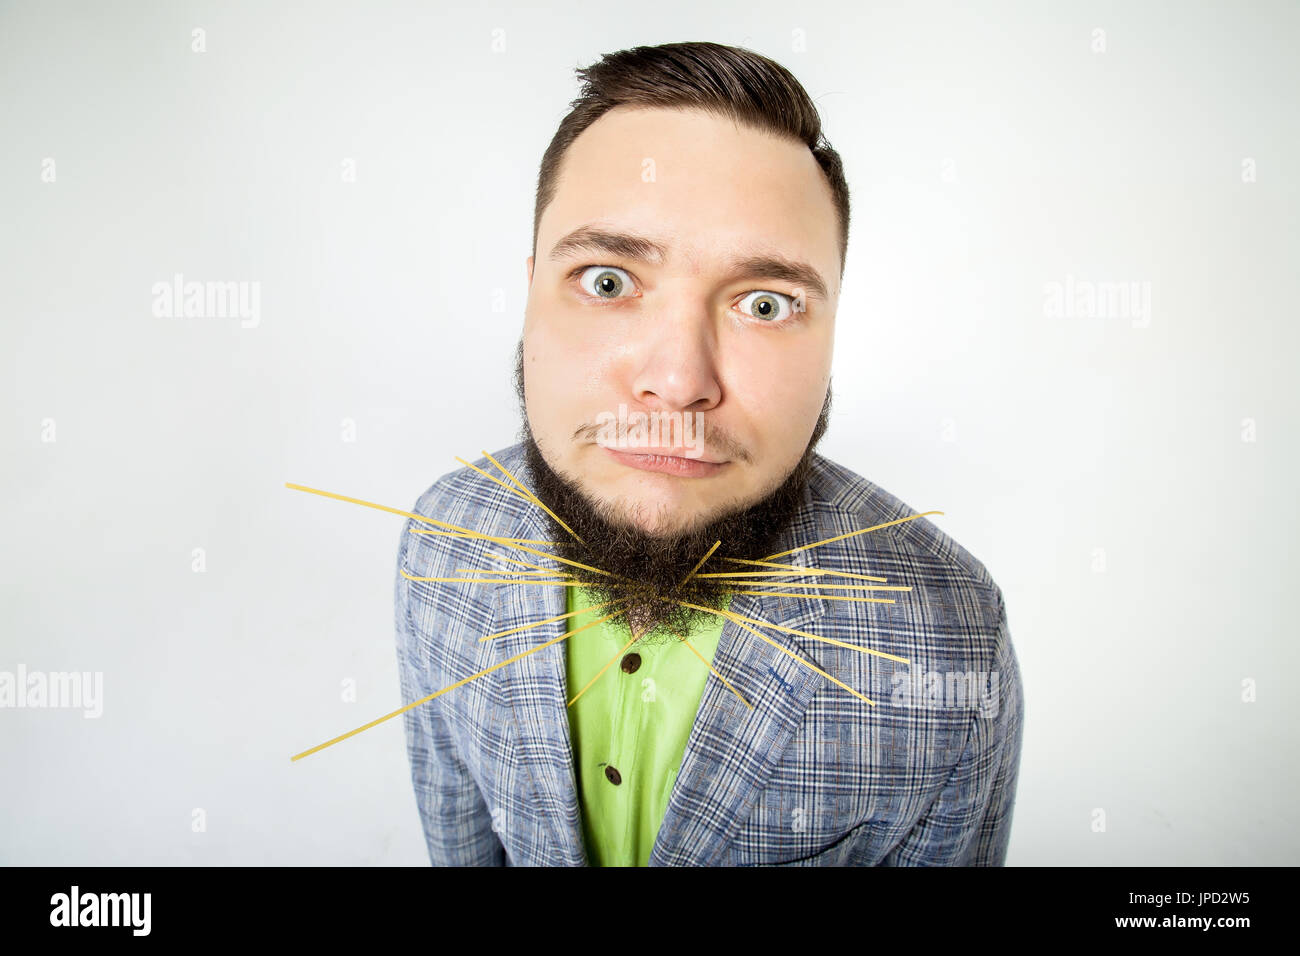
(732, 749)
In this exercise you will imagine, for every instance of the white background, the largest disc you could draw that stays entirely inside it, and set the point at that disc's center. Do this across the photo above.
(989, 152)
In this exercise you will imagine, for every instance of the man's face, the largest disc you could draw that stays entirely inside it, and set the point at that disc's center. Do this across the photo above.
(709, 304)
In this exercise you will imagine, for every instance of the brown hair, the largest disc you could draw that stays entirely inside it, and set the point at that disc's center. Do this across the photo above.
(725, 80)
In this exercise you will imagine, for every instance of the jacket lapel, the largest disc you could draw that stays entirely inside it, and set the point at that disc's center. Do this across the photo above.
(536, 696)
(732, 750)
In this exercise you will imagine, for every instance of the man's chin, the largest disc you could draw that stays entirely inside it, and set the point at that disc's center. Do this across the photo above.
(665, 523)
(657, 505)
(664, 513)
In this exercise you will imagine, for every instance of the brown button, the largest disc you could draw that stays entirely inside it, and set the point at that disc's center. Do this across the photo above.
(630, 663)
(613, 776)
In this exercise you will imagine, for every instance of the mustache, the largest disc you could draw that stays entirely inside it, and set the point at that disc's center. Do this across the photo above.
(710, 437)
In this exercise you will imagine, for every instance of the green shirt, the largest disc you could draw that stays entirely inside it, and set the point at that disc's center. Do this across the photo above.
(631, 726)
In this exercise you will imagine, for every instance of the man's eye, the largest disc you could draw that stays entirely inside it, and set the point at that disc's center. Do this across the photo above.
(768, 306)
(606, 282)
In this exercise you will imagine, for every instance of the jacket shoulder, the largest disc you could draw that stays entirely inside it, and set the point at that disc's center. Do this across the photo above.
(467, 499)
(916, 553)
(432, 556)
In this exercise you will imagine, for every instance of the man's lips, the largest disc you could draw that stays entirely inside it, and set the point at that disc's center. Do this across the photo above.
(668, 464)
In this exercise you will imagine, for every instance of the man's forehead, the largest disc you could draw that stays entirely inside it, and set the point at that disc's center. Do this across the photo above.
(692, 189)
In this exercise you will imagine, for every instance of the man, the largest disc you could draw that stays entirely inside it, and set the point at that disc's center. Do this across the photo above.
(703, 666)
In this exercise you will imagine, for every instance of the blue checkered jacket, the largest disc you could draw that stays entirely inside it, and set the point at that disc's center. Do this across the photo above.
(811, 776)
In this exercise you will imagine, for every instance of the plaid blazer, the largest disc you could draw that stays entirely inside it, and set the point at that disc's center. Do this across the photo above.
(811, 776)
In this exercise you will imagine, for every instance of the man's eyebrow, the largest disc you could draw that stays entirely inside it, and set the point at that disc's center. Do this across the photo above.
(625, 245)
(804, 276)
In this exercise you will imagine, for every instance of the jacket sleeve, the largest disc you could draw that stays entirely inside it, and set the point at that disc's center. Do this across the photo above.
(457, 823)
(969, 822)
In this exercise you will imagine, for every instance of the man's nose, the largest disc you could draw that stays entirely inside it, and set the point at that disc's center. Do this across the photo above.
(675, 368)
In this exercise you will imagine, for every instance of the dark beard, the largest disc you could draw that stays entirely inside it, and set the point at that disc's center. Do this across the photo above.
(650, 571)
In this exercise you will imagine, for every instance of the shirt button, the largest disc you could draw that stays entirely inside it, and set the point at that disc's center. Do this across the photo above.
(630, 663)
(613, 776)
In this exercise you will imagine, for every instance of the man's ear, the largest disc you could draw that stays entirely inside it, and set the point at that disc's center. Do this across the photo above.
(530, 270)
